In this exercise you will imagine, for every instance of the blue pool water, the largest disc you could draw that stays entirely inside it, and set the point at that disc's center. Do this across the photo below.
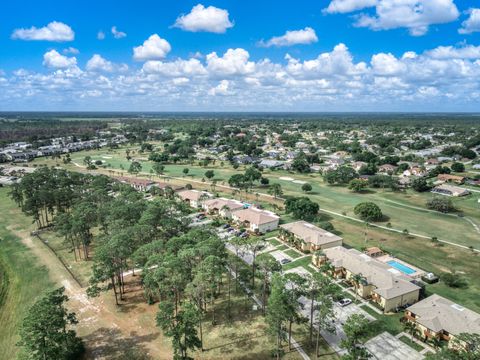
(403, 268)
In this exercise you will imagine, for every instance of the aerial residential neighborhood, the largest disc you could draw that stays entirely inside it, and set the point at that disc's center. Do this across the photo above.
(377, 228)
(244, 180)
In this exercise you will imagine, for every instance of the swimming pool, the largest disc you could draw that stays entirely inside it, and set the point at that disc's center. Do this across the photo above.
(403, 268)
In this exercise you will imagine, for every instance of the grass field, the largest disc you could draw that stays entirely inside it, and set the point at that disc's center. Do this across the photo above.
(423, 254)
(22, 281)
(80, 269)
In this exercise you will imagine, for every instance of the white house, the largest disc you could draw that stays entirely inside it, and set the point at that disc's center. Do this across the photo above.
(194, 198)
(256, 220)
(221, 206)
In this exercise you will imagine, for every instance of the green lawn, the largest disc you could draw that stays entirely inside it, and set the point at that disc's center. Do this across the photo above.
(292, 253)
(411, 343)
(389, 323)
(274, 242)
(81, 269)
(300, 262)
(22, 279)
(423, 254)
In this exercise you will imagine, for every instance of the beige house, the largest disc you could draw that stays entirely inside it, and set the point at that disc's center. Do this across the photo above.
(357, 165)
(308, 237)
(386, 169)
(194, 198)
(451, 178)
(450, 190)
(380, 283)
(436, 316)
(256, 220)
(221, 206)
(137, 184)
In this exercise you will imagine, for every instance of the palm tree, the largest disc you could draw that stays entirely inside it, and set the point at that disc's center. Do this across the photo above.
(213, 185)
(436, 342)
(356, 278)
(275, 190)
(411, 328)
(327, 267)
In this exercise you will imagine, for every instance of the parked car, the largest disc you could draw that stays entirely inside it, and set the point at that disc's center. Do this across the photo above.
(226, 226)
(344, 302)
(285, 261)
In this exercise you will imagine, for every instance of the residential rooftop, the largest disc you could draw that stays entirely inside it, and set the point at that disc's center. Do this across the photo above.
(256, 216)
(389, 282)
(310, 233)
(438, 313)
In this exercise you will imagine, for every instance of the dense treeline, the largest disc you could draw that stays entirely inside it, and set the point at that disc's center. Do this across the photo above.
(183, 269)
(37, 130)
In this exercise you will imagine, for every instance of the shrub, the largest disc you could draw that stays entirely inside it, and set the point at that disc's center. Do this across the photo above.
(458, 167)
(454, 280)
(420, 185)
(306, 187)
(441, 204)
(368, 211)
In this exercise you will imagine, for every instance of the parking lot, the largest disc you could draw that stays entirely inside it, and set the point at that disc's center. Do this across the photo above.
(387, 347)
(300, 270)
(341, 316)
(280, 256)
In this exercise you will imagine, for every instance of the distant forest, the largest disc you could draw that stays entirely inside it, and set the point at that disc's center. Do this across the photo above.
(33, 126)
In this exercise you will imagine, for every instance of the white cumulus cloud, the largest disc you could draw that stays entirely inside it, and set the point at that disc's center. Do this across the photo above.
(220, 89)
(117, 34)
(443, 78)
(99, 63)
(71, 50)
(53, 59)
(451, 52)
(100, 35)
(233, 62)
(346, 6)
(387, 64)
(415, 15)
(154, 48)
(292, 37)
(206, 19)
(54, 31)
(472, 24)
(177, 68)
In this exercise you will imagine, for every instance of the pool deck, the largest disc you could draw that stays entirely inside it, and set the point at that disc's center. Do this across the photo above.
(416, 275)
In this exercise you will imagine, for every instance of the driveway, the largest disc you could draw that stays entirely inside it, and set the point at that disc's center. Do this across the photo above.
(387, 347)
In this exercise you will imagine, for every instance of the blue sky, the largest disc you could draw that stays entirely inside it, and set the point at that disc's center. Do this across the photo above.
(336, 55)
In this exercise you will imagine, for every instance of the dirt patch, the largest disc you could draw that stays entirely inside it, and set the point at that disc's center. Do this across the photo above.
(108, 330)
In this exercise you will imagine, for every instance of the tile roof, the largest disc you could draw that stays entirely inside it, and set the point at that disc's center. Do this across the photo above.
(389, 282)
(310, 233)
(438, 313)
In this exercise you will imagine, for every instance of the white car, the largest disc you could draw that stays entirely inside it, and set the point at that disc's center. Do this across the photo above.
(344, 302)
